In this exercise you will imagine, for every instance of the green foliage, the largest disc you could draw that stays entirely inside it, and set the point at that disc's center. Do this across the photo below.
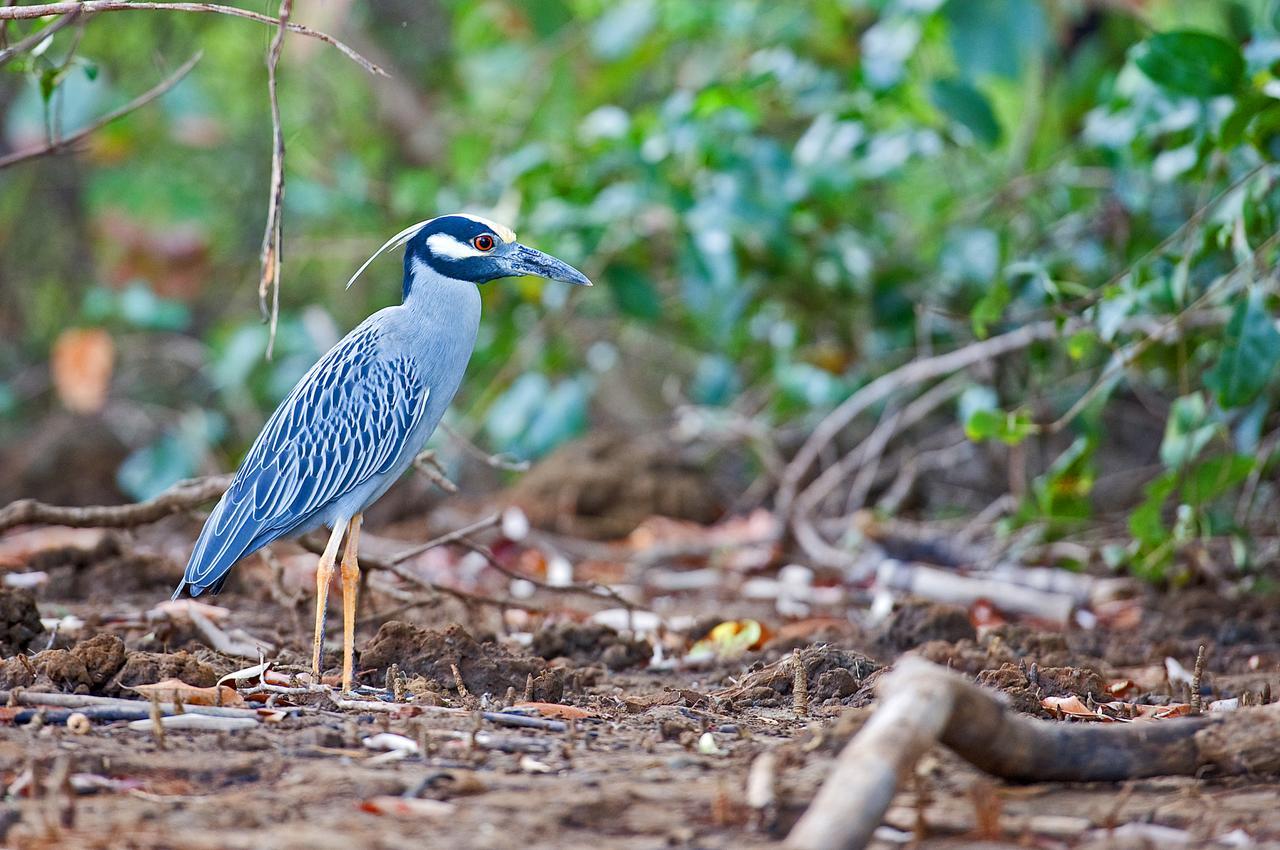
(1190, 62)
(786, 197)
(1250, 353)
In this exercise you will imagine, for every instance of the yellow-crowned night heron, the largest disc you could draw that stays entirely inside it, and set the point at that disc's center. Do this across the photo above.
(358, 418)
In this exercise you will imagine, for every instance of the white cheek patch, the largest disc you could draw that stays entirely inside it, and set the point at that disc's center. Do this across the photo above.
(444, 245)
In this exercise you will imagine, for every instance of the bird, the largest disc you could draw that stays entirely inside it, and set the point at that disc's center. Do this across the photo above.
(358, 418)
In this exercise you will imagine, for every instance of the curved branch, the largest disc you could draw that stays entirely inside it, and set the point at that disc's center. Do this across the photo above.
(915, 372)
(41, 10)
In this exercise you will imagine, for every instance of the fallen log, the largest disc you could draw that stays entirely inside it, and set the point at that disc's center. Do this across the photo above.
(923, 704)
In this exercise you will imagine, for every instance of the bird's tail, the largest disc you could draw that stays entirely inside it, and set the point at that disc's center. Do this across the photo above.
(228, 535)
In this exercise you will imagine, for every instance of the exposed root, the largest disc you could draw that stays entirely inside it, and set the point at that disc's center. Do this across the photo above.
(923, 704)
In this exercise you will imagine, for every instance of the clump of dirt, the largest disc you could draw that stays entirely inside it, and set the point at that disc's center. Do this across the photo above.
(604, 485)
(485, 667)
(83, 669)
(1049, 648)
(586, 643)
(104, 571)
(917, 622)
(1027, 686)
(833, 676)
(144, 668)
(19, 621)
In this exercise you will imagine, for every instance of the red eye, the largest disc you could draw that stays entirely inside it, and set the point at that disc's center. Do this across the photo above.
(483, 242)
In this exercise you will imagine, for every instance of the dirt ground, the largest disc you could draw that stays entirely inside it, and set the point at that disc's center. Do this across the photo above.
(655, 751)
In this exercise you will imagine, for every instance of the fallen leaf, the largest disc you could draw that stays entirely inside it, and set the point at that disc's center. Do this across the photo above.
(253, 672)
(1072, 706)
(20, 545)
(555, 710)
(180, 609)
(173, 690)
(407, 807)
(1122, 687)
(81, 362)
(730, 639)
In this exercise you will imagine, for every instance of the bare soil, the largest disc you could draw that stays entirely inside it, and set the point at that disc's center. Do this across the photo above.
(655, 755)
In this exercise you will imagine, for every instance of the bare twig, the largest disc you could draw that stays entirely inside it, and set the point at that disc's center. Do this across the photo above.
(21, 697)
(499, 461)
(37, 37)
(269, 282)
(42, 10)
(227, 644)
(907, 375)
(54, 146)
(593, 589)
(183, 496)
(456, 536)
(429, 465)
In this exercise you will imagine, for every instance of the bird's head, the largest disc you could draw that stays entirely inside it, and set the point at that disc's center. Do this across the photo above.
(471, 248)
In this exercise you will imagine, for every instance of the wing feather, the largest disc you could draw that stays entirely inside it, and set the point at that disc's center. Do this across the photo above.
(346, 422)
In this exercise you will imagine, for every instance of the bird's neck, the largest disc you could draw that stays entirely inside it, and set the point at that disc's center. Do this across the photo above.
(435, 298)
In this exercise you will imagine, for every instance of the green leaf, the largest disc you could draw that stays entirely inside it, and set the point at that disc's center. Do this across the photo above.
(990, 307)
(966, 106)
(1249, 355)
(1213, 477)
(1191, 62)
(1146, 523)
(1081, 344)
(1010, 428)
(995, 36)
(1186, 432)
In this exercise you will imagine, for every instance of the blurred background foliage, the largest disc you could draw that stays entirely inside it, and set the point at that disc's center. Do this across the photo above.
(779, 201)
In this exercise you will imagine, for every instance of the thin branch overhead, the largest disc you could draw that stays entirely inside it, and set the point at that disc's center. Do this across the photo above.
(67, 141)
(269, 282)
(42, 10)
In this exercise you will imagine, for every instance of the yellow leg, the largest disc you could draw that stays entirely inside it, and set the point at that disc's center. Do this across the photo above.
(324, 572)
(350, 587)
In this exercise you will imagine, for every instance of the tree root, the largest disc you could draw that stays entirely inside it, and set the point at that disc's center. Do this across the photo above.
(923, 704)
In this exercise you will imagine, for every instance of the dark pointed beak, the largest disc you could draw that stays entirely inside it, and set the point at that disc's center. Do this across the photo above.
(525, 260)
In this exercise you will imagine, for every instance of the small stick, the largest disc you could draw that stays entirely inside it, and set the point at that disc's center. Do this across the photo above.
(463, 693)
(528, 688)
(1196, 676)
(157, 726)
(799, 685)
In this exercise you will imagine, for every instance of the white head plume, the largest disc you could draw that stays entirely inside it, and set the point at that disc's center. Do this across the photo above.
(505, 233)
(394, 242)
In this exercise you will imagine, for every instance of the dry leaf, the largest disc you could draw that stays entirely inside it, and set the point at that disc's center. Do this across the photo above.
(81, 363)
(730, 639)
(555, 709)
(175, 690)
(1122, 687)
(1072, 706)
(407, 807)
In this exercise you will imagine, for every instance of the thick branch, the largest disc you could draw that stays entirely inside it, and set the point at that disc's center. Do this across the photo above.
(183, 496)
(41, 10)
(922, 703)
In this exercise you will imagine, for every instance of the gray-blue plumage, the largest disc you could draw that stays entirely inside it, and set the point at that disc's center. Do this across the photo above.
(360, 415)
